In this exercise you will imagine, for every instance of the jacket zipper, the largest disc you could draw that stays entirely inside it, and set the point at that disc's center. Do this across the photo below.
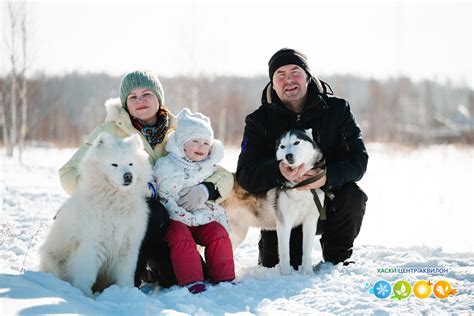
(344, 140)
(298, 120)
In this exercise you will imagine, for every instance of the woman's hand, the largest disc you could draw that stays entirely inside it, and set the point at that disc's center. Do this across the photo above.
(193, 198)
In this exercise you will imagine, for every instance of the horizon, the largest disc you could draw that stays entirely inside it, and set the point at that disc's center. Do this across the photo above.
(443, 81)
(369, 40)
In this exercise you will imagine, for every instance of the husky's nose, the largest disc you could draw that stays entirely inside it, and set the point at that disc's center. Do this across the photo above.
(289, 158)
(127, 178)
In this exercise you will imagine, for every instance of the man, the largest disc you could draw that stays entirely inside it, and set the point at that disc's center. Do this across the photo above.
(295, 99)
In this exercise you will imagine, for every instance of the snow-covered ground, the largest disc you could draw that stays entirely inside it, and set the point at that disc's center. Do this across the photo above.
(419, 215)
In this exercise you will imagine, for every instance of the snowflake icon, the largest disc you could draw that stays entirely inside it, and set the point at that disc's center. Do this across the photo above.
(382, 289)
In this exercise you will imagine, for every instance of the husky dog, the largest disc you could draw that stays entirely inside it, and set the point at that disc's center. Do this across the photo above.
(281, 208)
(95, 238)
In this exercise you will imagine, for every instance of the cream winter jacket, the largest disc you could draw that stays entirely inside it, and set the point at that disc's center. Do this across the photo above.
(118, 124)
(174, 172)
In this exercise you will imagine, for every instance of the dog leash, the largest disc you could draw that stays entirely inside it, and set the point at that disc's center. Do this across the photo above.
(321, 209)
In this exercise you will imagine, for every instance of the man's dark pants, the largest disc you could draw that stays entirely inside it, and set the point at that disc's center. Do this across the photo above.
(344, 219)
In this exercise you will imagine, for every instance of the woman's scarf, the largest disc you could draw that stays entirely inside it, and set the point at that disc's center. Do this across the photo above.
(156, 133)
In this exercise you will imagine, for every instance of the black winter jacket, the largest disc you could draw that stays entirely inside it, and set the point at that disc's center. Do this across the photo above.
(334, 129)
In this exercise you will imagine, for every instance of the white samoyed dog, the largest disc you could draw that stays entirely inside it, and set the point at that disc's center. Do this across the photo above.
(95, 238)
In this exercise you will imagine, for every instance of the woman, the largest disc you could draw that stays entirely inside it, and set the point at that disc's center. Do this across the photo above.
(141, 110)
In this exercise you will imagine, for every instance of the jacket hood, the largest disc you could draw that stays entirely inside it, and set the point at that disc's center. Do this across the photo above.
(269, 95)
(316, 92)
(113, 107)
(216, 152)
(115, 112)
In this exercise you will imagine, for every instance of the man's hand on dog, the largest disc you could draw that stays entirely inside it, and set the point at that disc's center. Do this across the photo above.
(290, 174)
(313, 185)
(294, 175)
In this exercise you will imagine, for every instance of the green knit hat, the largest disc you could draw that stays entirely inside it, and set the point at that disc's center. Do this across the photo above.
(140, 79)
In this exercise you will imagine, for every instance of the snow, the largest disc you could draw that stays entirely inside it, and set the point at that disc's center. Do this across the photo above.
(419, 215)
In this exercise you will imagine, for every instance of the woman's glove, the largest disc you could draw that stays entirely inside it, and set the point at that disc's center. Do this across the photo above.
(151, 193)
(193, 198)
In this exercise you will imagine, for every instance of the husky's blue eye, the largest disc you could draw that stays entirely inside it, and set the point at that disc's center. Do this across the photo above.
(282, 146)
(296, 143)
(115, 165)
(130, 164)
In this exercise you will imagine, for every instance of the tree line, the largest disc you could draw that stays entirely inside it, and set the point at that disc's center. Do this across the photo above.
(62, 110)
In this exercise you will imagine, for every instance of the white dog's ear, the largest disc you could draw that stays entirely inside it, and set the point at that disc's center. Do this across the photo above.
(135, 140)
(103, 139)
(309, 132)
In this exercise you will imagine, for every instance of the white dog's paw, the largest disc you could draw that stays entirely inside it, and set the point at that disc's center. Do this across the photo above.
(86, 290)
(125, 282)
(84, 286)
(308, 269)
(285, 269)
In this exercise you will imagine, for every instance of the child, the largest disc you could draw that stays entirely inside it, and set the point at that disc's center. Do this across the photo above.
(192, 155)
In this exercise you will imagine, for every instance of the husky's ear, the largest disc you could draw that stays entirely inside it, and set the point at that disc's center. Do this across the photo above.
(309, 132)
(135, 141)
(104, 139)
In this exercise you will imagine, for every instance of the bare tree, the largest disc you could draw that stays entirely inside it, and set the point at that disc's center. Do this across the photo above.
(3, 121)
(13, 20)
(16, 40)
(23, 91)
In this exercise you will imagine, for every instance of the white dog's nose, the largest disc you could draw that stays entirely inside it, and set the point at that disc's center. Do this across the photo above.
(289, 158)
(127, 178)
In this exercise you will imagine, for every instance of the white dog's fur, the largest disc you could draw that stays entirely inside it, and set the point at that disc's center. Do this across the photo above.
(95, 238)
(278, 209)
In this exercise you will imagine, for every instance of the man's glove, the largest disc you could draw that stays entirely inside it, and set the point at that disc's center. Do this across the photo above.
(193, 198)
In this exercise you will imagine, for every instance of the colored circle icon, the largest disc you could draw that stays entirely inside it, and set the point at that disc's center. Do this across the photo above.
(422, 289)
(442, 289)
(382, 289)
(401, 290)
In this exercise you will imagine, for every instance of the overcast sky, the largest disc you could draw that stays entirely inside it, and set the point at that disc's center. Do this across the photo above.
(422, 40)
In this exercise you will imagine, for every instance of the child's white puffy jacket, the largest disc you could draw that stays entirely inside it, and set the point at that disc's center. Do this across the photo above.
(175, 172)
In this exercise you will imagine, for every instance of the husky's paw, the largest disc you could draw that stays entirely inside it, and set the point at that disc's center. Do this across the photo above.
(285, 269)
